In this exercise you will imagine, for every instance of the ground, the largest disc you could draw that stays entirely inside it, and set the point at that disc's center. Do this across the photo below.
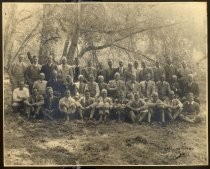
(36, 142)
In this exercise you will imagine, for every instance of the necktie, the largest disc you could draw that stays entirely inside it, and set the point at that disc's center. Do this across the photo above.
(146, 86)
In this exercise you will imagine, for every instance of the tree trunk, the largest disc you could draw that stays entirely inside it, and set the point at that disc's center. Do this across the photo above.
(48, 35)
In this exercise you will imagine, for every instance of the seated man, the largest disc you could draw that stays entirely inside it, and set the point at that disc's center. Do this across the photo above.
(50, 108)
(67, 105)
(57, 85)
(101, 83)
(147, 87)
(33, 103)
(116, 86)
(20, 94)
(86, 107)
(191, 110)
(132, 86)
(173, 106)
(92, 86)
(80, 85)
(163, 88)
(191, 87)
(41, 84)
(156, 106)
(175, 86)
(69, 84)
(137, 109)
(119, 106)
(103, 104)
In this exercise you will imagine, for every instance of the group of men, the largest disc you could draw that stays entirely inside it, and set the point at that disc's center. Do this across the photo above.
(132, 93)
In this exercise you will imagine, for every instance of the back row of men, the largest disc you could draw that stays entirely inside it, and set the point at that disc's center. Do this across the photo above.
(144, 80)
(75, 83)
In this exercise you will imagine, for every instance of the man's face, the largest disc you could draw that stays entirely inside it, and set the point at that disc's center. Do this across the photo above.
(174, 79)
(172, 96)
(136, 97)
(20, 58)
(67, 94)
(190, 97)
(133, 78)
(157, 63)
(35, 91)
(136, 65)
(190, 78)
(91, 78)
(50, 93)
(121, 64)
(64, 61)
(49, 59)
(104, 94)
(155, 97)
(184, 65)
(101, 80)
(110, 64)
(42, 77)
(162, 78)
(143, 64)
(21, 85)
(117, 77)
(89, 64)
(76, 61)
(87, 94)
(147, 77)
(35, 60)
(81, 79)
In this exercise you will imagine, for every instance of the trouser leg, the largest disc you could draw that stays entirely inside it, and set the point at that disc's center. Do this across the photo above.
(142, 116)
(132, 116)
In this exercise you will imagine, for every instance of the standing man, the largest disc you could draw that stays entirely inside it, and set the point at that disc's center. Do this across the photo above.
(33, 73)
(170, 70)
(132, 86)
(175, 86)
(80, 85)
(17, 72)
(64, 69)
(163, 88)
(191, 87)
(57, 85)
(93, 87)
(182, 75)
(71, 86)
(121, 70)
(145, 70)
(89, 70)
(101, 83)
(147, 86)
(136, 70)
(129, 72)
(116, 86)
(77, 69)
(158, 71)
(109, 72)
(101, 71)
(48, 68)
(41, 84)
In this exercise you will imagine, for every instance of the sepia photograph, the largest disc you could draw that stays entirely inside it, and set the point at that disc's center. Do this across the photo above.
(105, 84)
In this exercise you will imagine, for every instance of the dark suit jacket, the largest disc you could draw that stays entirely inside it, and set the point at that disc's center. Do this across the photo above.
(54, 105)
(193, 88)
(47, 70)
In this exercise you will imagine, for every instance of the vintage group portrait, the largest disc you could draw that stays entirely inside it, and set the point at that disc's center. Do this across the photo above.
(105, 84)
